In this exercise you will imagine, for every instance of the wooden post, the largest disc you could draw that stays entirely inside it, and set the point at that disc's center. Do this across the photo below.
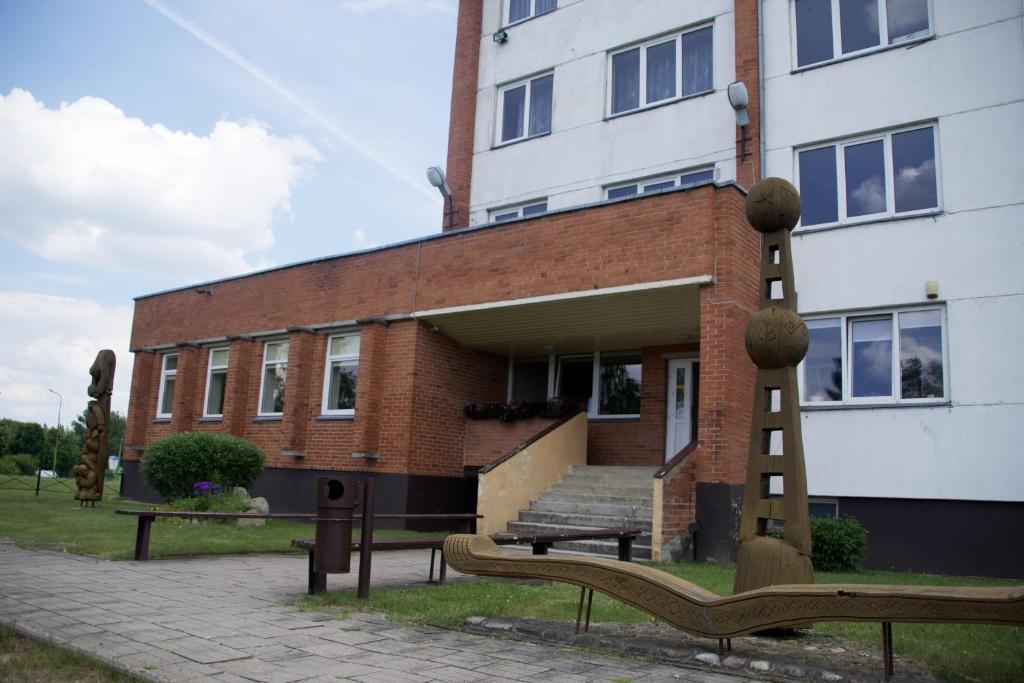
(366, 541)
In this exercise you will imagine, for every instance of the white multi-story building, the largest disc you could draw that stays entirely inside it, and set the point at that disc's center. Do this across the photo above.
(899, 121)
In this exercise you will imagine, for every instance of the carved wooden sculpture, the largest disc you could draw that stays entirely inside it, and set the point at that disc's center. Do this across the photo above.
(776, 342)
(703, 613)
(90, 470)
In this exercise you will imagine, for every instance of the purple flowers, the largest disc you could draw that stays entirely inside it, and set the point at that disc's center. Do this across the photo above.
(204, 489)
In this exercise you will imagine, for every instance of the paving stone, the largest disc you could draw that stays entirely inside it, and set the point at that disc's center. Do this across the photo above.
(201, 650)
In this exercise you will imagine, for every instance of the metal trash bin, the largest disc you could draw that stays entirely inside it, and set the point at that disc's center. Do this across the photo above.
(336, 498)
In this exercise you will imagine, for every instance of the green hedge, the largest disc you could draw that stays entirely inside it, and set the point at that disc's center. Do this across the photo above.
(838, 544)
(173, 464)
(19, 464)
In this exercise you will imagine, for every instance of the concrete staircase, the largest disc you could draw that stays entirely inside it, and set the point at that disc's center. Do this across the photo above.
(594, 497)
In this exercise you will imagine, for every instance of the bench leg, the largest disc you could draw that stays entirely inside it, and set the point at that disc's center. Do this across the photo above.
(887, 648)
(626, 548)
(579, 608)
(317, 581)
(430, 577)
(444, 568)
(541, 548)
(142, 538)
(590, 603)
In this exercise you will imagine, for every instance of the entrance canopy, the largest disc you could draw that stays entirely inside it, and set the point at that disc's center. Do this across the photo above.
(626, 317)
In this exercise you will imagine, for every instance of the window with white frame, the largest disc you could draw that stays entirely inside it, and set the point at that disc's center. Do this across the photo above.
(685, 179)
(607, 384)
(524, 108)
(216, 382)
(275, 372)
(168, 374)
(831, 29)
(866, 178)
(661, 70)
(340, 374)
(894, 356)
(520, 10)
(511, 213)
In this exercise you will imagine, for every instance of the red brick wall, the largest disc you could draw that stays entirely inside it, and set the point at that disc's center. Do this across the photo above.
(462, 123)
(488, 440)
(748, 170)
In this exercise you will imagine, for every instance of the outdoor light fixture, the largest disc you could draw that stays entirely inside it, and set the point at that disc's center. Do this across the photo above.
(739, 100)
(435, 176)
(500, 36)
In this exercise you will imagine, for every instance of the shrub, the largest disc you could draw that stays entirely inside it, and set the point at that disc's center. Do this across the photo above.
(27, 464)
(215, 502)
(838, 544)
(7, 466)
(172, 465)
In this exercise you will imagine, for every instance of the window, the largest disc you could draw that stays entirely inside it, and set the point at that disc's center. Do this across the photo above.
(340, 375)
(613, 378)
(529, 379)
(520, 10)
(168, 373)
(512, 213)
(829, 29)
(661, 70)
(525, 108)
(275, 371)
(687, 179)
(216, 383)
(886, 175)
(886, 357)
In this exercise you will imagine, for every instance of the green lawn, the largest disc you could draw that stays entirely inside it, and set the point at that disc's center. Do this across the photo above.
(29, 661)
(55, 521)
(954, 651)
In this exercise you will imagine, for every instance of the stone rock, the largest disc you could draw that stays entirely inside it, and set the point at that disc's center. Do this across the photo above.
(837, 650)
(475, 621)
(829, 676)
(249, 521)
(760, 665)
(709, 658)
(240, 492)
(733, 662)
(793, 671)
(259, 505)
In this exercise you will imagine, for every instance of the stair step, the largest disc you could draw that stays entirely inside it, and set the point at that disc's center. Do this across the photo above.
(619, 489)
(604, 549)
(616, 509)
(580, 498)
(583, 518)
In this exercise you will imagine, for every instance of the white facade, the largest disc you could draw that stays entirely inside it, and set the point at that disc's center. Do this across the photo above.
(968, 79)
(586, 149)
(965, 77)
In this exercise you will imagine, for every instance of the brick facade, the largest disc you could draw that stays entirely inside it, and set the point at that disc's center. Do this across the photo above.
(462, 124)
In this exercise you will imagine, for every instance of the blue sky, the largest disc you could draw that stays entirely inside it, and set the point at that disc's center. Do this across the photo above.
(154, 143)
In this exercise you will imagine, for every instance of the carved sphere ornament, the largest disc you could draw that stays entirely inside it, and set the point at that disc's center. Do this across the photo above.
(773, 204)
(776, 338)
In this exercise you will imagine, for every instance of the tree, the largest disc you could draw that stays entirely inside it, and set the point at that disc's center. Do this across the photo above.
(114, 435)
(24, 437)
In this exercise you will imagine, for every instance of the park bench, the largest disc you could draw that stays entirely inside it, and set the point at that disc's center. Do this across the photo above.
(541, 543)
(146, 518)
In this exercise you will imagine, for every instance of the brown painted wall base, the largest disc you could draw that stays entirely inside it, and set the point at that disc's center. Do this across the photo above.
(718, 519)
(969, 538)
(291, 490)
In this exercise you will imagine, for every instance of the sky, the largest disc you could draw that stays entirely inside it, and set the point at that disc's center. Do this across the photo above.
(152, 144)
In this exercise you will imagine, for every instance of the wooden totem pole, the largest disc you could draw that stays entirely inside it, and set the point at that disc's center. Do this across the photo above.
(90, 470)
(776, 341)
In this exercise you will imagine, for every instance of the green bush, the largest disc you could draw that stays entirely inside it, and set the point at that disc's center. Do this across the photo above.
(838, 544)
(8, 467)
(173, 464)
(27, 464)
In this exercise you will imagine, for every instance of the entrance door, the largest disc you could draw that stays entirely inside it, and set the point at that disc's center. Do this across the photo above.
(679, 428)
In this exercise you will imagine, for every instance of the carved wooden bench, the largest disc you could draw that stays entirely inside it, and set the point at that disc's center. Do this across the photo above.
(695, 610)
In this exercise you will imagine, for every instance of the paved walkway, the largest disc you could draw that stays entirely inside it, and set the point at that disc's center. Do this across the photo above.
(221, 619)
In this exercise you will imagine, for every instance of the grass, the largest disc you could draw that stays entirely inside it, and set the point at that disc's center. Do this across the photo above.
(54, 521)
(958, 652)
(30, 661)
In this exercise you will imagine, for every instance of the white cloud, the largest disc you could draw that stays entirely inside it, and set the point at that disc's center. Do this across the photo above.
(50, 342)
(86, 184)
(415, 7)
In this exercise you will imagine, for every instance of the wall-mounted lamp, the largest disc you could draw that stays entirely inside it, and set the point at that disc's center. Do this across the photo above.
(739, 100)
(500, 36)
(435, 176)
(204, 290)
(931, 289)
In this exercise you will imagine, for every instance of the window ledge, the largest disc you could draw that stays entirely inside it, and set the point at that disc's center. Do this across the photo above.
(161, 420)
(212, 418)
(332, 418)
(658, 105)
(268, 418)
(932, 213)
(517, 141)
(913, 42)
(610, 419)
(813, 408)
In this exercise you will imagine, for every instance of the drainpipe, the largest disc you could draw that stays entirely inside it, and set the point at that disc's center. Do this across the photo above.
(760, 86)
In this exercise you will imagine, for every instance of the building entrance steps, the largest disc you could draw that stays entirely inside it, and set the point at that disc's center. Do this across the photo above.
(594, 497)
